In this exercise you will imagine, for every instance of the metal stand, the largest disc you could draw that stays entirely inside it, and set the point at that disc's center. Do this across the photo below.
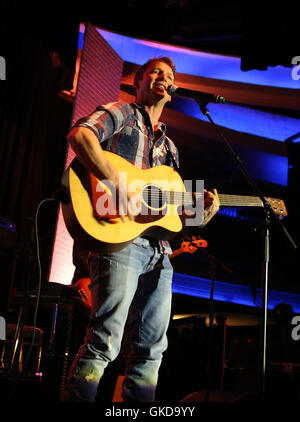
(269, 216)
(214, 262)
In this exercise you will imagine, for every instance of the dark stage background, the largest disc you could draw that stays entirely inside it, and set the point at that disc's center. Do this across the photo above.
(39, 44)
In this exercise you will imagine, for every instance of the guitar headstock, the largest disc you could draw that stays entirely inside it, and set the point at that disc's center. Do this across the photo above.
(191, 244)
(278, 206)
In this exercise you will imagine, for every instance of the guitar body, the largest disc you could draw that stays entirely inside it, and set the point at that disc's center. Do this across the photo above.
(106, 234)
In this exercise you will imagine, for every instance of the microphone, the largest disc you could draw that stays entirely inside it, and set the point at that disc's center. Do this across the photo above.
(201, 97)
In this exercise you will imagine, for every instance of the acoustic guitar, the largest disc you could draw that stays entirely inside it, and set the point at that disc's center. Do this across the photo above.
(90, 214)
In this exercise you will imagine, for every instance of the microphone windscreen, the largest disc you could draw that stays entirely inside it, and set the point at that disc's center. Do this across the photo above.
(171, 89)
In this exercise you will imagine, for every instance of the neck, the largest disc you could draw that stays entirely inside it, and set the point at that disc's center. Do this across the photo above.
(154, 111)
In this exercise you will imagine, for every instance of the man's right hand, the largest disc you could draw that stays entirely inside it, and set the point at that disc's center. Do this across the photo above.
(128, 203)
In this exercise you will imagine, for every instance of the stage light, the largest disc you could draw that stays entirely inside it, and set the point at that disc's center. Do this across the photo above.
(231, 293)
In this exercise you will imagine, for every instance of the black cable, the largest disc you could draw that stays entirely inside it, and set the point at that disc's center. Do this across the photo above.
(40, 275)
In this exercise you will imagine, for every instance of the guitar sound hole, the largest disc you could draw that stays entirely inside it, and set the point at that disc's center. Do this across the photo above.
(154, 197)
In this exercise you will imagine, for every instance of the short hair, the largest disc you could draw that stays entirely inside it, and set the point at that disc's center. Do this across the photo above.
(140, 72)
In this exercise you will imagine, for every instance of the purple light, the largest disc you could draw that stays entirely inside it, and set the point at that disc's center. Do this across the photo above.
(198, 63)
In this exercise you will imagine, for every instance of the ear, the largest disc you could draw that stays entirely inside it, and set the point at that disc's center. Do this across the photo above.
(136, 84)
(136, 88)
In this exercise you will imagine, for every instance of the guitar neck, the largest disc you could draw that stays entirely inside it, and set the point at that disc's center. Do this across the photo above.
(175, 253)
(237, 200)
(224, 199)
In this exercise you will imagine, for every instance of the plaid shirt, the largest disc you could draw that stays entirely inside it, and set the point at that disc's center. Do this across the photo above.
(126, 130)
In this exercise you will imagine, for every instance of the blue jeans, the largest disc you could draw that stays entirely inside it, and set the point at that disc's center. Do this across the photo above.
(131, 293)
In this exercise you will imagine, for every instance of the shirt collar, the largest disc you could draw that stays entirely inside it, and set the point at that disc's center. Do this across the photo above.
(162, 126)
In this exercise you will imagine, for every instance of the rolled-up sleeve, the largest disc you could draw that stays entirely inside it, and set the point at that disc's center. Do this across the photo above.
(107, 120)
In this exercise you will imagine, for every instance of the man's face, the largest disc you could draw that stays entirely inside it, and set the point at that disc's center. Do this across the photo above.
(154, 83)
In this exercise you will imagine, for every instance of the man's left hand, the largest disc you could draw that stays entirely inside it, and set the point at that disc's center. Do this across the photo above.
(211, 207)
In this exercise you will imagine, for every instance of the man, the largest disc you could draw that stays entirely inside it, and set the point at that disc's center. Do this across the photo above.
(130, 289)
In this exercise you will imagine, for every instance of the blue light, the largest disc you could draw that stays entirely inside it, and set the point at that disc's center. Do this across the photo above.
(231, 212)
(242, 119)
(81, 38)
(264, 166)
(234, 212)
(232, 293)
(198, 63)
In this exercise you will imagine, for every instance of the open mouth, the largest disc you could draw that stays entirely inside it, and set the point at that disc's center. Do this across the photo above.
(160, 87)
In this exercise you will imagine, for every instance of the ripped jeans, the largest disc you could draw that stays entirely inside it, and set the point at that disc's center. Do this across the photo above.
(130, 289)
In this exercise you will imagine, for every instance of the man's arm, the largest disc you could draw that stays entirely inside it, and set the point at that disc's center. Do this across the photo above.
(87, 147)
(88, 150)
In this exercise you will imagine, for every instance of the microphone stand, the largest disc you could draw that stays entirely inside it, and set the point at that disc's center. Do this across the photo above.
(214, 262)
(268, 217)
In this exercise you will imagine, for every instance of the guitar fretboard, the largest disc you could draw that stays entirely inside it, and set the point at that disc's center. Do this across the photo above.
(186, 198)
(237, 200)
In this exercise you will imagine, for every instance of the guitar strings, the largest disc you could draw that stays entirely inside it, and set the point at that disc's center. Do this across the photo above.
(187, 198)
(173, 197)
